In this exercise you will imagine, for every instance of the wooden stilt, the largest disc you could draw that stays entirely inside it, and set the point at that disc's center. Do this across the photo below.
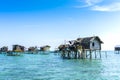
(100, 53)
(63, 54)
(84, 57)
(95, 54)
(79, 54)
(75, 54)
(90, 54)
(106, 54)
(69, 55)
(86, 53)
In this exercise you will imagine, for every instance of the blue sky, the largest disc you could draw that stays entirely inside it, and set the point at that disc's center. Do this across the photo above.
(41, 22)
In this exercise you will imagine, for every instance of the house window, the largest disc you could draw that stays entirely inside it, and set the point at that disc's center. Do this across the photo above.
(93, 44)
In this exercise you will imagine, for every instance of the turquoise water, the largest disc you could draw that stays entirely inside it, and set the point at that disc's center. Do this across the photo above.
(52, 67)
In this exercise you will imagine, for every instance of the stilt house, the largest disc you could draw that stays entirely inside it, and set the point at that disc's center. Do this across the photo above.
(90, 43)
(4, 49)
(18, 48)
(45, 48)
(117, 49)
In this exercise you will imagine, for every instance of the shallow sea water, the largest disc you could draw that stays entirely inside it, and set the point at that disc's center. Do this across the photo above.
(53, 67)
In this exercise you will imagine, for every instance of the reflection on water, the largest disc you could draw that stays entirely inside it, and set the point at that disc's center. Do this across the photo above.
(52, 67)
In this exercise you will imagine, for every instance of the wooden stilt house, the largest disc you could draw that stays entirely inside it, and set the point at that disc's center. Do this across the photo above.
(45, 48)
(33, 50)
(90, 43)
(18, 48)
(82, 47)
(117, 49)
(4, 49)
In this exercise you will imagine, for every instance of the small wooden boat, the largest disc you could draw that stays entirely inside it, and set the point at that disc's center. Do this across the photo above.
(14, 53)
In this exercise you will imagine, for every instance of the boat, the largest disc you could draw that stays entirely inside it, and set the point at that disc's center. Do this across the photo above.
(14, 53)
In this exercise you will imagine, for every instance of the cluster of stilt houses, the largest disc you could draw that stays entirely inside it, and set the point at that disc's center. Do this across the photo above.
(81, 48)
(19, 49)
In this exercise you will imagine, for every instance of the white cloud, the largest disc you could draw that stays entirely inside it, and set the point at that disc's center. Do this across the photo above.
(92, 2)
(88, 3)
(111, 7)
(99, 5)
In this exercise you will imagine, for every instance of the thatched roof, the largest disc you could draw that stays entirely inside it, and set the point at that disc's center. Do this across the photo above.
(85, 42)
(88, 39)
(45, 48)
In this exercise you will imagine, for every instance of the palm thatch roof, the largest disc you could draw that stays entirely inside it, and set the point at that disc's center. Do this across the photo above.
(88, 39)
(85, 42)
